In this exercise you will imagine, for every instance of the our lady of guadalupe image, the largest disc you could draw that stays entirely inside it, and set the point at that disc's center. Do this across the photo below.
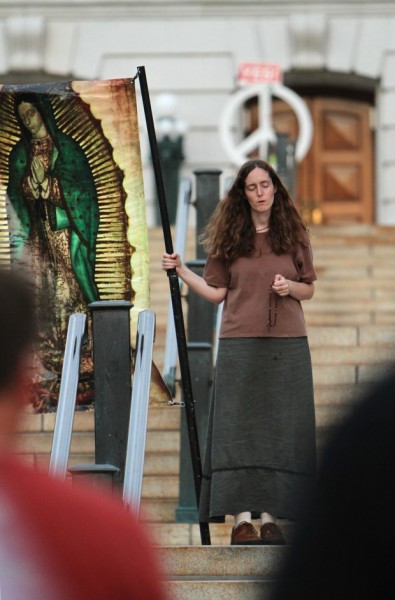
(72, 209)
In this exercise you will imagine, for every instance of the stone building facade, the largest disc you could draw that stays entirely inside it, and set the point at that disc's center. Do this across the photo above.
(339, 56)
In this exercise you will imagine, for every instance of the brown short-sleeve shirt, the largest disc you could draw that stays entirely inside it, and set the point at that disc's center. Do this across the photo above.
(249, 278)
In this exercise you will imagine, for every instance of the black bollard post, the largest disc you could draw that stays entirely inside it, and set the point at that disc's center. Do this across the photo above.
(207, 197)
(201, 316)
(284, 151)
(201, 361)
(200, 312)
(171, 158)
(200, 351)
(113, 387)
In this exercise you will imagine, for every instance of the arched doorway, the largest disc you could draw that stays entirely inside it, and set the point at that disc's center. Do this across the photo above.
(338, 172)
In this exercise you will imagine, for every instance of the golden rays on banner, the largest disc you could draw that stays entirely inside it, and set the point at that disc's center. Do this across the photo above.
(72, 212)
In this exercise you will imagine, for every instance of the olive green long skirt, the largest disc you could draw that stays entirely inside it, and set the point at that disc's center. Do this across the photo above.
(260, 450)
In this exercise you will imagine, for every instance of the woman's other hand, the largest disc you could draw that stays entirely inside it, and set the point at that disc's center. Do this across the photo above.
(281, 286)
(297, 289)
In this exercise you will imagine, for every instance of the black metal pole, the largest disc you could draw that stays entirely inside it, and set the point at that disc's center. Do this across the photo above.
(176, 303)
(113, 388)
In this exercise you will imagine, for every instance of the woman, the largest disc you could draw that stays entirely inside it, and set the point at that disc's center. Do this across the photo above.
(260, 452)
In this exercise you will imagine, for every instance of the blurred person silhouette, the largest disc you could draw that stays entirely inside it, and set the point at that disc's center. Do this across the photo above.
(56, 541)
(344, 545)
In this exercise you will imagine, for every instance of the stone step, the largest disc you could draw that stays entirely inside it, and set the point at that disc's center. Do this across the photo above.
(353, 231)
(181, 534)
(333, 336)
(376, 334)
(357, 252)
(177, 534)
(330, 303)
(369, 305)
(221, 562)
(335, 329)
(41, 443)
(339, 239)
(155, 510)
(160, 486)
(348, 319)
(357, 284)
(160, 295)
(200, 588)
(364, 280)
(220, 571)
(350, 374)
(165, 442)
(161, 464)
(356, 248)
(367, 290)
(338, 394)
(42, 460)
(353, 272)
(352, 355)
(329, 415)
(338, 374)
(164, 418)
(348, 295)
(368, 262)
(338, 236)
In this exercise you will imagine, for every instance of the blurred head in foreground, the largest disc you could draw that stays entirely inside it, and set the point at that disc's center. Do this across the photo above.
(17, 333)
(344, 546)
(57, 542)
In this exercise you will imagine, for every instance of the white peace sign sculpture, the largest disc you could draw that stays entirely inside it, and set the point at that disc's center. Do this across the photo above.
(264, 135)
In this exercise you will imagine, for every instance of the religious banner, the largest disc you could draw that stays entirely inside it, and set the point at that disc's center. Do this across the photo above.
(72, 210)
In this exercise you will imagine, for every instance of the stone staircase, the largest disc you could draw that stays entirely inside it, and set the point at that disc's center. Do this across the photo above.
(351, 320)
(351, 325)
(228, 572)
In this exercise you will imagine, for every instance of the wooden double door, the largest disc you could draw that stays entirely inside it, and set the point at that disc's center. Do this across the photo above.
(337, 173)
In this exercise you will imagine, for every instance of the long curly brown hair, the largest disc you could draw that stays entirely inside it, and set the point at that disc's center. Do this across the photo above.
(230, 232)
